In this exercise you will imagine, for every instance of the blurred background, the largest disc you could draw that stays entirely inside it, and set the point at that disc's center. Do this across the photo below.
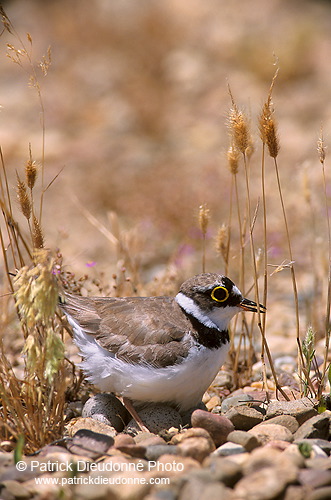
(136, 102)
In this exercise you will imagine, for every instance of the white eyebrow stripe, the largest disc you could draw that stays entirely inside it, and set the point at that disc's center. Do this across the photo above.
(192, 308)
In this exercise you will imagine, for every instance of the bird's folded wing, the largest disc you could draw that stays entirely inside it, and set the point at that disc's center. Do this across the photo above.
(134, 329)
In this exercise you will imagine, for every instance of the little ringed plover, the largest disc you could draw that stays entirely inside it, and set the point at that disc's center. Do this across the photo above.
(157, 349)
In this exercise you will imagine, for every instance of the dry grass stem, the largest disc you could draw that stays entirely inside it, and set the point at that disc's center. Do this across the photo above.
(321, 149)
(204, 218)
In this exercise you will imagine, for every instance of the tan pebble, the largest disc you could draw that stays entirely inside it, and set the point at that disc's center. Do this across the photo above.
(214, 401)
(239, 458)
(15, 489)
(188, 433)
(152, 440)
(258, 483)
(261, 458)
(141, 436)
(181, 464)
(118, 459)
(197, 447)
(278, 444)
(123, 440)
(206, 397)
(269, 432)
(260, 385)
(45, 489)
(293, 453)
(89, 423)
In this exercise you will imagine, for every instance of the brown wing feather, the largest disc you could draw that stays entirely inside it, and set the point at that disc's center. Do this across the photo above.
(135, 329)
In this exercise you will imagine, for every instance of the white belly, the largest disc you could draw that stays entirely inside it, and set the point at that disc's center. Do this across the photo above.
(183, 384)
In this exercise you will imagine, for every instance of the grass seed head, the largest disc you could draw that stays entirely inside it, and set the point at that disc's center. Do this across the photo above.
(54, 354)
(239, 129)
(321, 149)
(37, 290)
(221, 242)
(37, 234)
(23, 198)
(31, 173)
(204, 217)
(268, 129)
(233, 159)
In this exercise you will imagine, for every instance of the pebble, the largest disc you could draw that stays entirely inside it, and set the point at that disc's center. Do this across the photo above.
(278, 444)
(315, 478)
(248, 441)
(223, 379)
(214, 401)
(154, 452)
(239, 458)
(265, 484)
(287, 421)
(244, 417)
(90, 444)
(181, 463)
(16, 490)
(238, 400)
(195, 443)
(293, 453)
(320, 494)
(317, 452)
(301, 409)
(196, 488)
(89, 423)
(268, 432)
(315, 427)
(228, 449)
(188, 433)
(296, 493)
(156, 418)
(217, 426)
(223, 469)
(107, 409)
(287, 363)
(123, 440)
(133, 450)
(148, 439)
(263, 457)
(318, 463)
(196, 447)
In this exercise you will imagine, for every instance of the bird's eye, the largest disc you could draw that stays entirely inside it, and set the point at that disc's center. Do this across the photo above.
(220, 294)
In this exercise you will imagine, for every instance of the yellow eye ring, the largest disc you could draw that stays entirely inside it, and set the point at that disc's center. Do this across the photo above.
(215, 290)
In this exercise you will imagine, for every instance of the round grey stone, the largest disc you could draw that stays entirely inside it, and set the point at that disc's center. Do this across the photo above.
(106, 408)
(157, 418)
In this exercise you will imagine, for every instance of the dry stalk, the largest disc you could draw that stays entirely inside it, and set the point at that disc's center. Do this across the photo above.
(204, 218)
(321, 149)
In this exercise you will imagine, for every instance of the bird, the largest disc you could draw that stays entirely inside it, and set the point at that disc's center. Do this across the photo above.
(157, 349)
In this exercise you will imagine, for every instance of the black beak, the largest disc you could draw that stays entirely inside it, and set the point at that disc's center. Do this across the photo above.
(249, 305)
